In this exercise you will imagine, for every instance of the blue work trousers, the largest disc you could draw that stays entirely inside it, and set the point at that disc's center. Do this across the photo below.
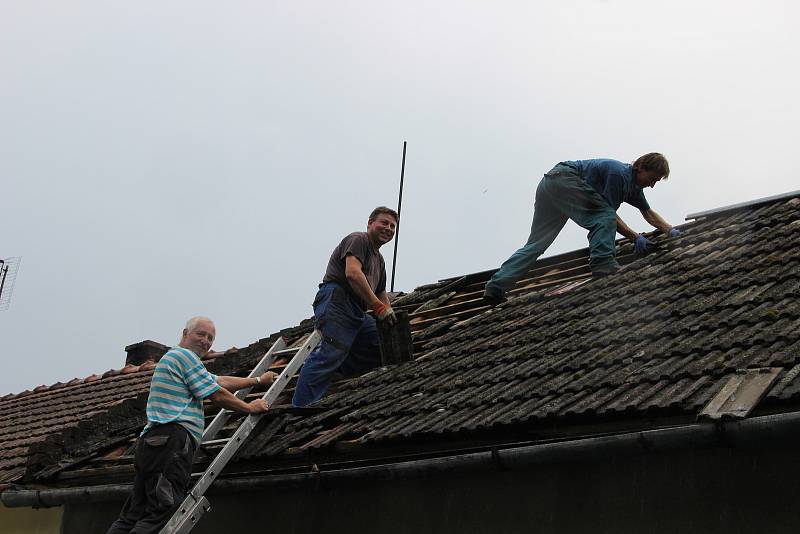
(561, 195)
(350, 343)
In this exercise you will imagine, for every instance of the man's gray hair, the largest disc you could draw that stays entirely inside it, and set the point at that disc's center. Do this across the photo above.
(191, 324)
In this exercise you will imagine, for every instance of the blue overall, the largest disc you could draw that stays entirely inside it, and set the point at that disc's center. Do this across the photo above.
(562, 195)
(350, 343)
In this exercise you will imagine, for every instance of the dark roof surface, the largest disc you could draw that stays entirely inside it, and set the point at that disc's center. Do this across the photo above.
(74, 412)
(661, 336)
(657, 340)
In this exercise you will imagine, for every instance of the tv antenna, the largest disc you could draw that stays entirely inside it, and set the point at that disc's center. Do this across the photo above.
(8, 275)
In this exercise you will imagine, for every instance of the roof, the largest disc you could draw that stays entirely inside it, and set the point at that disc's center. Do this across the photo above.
(52, 427)
(661, 337)
(64, 412)
(648, 346)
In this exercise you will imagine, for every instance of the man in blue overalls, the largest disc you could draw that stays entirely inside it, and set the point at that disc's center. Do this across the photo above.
(589, 192)
(354, 281)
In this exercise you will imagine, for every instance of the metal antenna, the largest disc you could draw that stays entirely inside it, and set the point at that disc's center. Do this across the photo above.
(8, 275)
(399, 206)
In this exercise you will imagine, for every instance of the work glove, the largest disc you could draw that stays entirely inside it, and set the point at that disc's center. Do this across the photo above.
(384, 312)
(674, 232)
(642, 244)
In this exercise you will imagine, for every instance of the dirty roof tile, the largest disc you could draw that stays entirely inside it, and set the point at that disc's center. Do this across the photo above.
(661, 336)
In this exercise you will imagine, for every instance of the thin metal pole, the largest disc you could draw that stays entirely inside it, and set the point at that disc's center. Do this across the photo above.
(5, 272)
(399, 207)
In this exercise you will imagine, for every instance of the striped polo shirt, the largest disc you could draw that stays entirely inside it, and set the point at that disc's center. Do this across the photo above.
(179, 385)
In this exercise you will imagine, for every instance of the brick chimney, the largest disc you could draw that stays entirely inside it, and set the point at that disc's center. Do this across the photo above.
(138, 353)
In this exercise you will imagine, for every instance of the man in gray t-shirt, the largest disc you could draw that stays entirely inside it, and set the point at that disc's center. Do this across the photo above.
(354, 281)
(360, 246)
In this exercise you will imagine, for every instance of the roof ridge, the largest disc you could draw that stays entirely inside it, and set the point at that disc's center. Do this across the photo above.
(127, 369)
(790, 195)
(94, 377)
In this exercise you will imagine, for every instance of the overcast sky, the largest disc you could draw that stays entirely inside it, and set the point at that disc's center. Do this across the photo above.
(160, 160)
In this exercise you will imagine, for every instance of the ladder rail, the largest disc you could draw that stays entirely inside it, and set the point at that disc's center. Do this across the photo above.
(195, 504)
(224, 415)
(247, 426)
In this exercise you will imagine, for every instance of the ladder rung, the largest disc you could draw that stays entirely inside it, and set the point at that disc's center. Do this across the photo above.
(215, 441)
(286, 352)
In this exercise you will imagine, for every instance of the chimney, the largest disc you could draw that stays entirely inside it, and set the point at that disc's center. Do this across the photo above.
(396, 344)
(147, 350)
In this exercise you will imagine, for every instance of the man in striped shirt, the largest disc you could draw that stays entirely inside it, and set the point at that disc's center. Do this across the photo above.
(165, 449)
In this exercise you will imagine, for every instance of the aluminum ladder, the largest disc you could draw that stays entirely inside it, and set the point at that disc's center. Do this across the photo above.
(195, 504)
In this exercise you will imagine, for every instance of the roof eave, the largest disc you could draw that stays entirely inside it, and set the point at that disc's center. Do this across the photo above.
(762, 432)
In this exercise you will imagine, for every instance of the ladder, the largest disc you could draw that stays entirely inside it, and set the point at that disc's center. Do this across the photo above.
(195, 504)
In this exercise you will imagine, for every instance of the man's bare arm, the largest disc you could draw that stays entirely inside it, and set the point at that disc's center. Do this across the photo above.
(656, 220)
(235, 383)
(358, 282)
(225, 399)
(625, 230)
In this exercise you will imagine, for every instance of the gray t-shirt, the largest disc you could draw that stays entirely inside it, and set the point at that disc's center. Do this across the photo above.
(359, 245)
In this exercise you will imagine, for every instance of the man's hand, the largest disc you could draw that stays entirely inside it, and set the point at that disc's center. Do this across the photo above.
(384, 312)
(258, 406)
(674, 232)
(267, 378)
(642, 244)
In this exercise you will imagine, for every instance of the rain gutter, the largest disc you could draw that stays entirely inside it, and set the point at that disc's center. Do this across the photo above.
(754, 432)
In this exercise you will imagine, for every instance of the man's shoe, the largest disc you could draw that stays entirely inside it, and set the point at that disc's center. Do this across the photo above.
(605, 270)
(493, 299)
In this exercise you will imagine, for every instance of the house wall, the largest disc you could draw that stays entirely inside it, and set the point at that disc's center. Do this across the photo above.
(708, 491)
(30, 520)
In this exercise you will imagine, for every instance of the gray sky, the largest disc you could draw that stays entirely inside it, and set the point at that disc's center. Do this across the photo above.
(160, 160)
